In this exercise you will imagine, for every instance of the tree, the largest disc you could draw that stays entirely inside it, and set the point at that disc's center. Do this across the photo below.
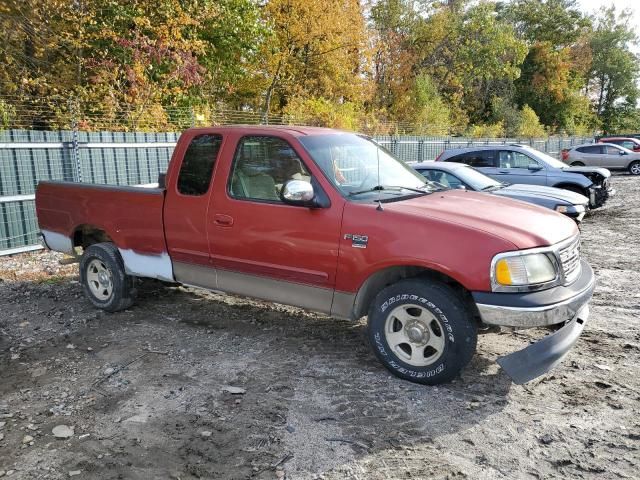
(316, 49)
(612, 79)
(557, 22)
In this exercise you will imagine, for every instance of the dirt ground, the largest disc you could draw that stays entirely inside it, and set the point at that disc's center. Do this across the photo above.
(146, 390)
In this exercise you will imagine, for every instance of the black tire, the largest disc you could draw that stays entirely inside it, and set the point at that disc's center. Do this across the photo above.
(634, 168)
(577, 164)
(121, 293)
(438, 301)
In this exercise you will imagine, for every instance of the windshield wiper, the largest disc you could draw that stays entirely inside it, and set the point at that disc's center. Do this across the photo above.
(393, 188)
(491, 187)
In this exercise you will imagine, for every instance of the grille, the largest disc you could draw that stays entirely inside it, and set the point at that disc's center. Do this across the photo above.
(570, 260)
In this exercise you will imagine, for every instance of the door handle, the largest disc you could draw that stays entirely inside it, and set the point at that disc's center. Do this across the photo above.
(504, 171)
(222, 220)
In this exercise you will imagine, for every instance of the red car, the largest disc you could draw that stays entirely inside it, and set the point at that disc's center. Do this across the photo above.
(329, 221)
(629, 143)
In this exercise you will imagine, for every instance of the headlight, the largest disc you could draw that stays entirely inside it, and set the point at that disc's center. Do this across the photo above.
(518, 271)
(570, 208)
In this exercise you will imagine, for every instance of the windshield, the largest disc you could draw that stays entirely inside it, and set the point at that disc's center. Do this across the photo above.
(475, 179)
(549, 160)
(358, 166)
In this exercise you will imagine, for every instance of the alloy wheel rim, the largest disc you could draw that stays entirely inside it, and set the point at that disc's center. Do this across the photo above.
(414, 335)
(99, 279)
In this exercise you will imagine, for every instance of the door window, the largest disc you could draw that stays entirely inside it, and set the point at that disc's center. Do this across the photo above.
(481, 158)
(612, 150)
(592, 149)
(512, 159)
(261, 166)
(443, 178)
(197, 166)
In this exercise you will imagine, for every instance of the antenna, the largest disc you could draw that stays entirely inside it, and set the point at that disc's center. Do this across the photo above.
(379, 207)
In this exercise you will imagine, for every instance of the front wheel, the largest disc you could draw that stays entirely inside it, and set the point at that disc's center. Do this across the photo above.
(421, 331)
(634, 168)
(104, 280)
(577, 164)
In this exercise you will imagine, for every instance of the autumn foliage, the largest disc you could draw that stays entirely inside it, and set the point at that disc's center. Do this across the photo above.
(523, 68)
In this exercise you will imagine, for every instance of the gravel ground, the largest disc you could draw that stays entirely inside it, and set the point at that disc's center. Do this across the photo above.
(189, 384)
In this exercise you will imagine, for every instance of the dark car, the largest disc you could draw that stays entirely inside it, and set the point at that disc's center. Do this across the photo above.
(522, 164)
(461, 176)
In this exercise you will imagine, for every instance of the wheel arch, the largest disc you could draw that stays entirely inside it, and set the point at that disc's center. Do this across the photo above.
(85, 235)
(573, 187)
(390, 275)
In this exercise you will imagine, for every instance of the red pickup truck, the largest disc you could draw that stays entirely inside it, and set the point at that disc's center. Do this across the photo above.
(331, 222)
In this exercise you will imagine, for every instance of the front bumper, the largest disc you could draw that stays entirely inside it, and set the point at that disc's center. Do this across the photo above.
(540, 357)
(598, 195)
(537, 309)
(575, 212)
(563, 304)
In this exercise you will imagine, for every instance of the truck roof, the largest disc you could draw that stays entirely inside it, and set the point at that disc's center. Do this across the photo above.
(291, 129)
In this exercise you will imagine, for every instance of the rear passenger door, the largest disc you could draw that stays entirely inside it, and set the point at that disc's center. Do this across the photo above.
(517, 167)
(187, 199)
(591, 155)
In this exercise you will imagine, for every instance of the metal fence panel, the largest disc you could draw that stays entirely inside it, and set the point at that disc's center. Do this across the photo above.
(124, 158)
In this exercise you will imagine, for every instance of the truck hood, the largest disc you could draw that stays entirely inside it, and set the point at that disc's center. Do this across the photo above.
(539, 191)
(602, 171)
(522, 224)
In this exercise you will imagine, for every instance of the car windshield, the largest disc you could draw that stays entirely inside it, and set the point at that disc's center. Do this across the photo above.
(549, 160)
(475, 179)
(362, 169)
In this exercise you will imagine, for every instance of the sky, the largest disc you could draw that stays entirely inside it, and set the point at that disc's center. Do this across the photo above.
(591, 6)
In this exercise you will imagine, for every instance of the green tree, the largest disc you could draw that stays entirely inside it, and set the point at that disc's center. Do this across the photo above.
(612, 79)
(316, 49)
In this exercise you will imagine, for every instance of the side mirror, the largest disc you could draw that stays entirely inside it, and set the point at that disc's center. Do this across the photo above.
(298, 192)
(461, 187)
(622, 152)
(534, 167)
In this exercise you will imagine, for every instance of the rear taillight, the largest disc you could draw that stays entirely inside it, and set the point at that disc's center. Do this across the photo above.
(438, 157)
(565, 155)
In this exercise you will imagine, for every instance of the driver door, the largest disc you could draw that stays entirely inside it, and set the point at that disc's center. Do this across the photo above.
(516, 167)
(262, 247)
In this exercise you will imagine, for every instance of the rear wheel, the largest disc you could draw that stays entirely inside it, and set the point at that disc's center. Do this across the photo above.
(577, 164)
(634, 168)
(104, 280)
(421, 331)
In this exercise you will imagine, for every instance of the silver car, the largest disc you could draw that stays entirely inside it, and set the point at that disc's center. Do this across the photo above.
(608, 155)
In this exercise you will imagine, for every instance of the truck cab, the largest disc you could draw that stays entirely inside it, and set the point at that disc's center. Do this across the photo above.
(330, 221)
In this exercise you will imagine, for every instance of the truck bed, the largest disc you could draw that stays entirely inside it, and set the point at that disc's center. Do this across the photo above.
(132, 215)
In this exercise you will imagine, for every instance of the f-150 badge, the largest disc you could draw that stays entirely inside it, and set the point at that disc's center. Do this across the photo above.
(357, 241)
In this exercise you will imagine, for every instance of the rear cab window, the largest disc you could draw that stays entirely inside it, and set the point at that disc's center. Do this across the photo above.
(195, 173)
